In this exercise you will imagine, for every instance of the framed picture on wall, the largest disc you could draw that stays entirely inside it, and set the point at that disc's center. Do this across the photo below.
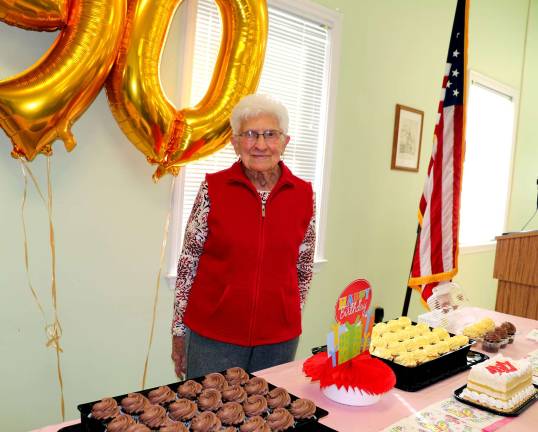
(407, 138)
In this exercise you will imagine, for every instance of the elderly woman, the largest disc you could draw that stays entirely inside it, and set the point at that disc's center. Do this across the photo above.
(246, 264)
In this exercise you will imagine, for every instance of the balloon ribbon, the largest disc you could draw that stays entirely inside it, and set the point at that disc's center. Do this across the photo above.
(54, 330)
(158, 284)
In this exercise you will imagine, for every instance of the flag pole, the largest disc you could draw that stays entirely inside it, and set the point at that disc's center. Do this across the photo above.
(409, 290)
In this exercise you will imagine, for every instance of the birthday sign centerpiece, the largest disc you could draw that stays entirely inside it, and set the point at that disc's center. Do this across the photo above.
(346, 372)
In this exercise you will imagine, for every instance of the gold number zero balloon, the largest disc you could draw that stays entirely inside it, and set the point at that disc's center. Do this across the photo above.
(40, 104)
(169, 137)
(45, 15)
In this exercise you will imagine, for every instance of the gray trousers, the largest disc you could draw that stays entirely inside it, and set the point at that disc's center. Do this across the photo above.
(206, 355)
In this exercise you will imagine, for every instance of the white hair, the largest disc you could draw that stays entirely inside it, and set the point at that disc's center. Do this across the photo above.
(254, 105)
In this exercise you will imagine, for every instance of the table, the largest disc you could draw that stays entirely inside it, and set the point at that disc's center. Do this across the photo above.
(396, 404)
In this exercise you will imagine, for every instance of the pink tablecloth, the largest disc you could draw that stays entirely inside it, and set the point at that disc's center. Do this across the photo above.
(396, 404)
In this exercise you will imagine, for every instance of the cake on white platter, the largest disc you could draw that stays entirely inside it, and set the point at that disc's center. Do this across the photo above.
(500, 383)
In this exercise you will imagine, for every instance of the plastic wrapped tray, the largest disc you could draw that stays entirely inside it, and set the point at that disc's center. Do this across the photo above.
(513, 413)
(89, 424)
(416, 378)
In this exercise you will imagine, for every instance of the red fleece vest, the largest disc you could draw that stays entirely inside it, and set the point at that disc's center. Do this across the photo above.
(245, 291)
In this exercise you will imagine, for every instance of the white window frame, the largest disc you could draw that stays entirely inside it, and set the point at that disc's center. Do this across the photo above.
(505, 90)
(304, 8)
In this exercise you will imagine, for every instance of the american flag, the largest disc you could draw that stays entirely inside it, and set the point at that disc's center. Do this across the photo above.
(436, 253)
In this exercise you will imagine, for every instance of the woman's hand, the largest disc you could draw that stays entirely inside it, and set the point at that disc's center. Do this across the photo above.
(178, 355)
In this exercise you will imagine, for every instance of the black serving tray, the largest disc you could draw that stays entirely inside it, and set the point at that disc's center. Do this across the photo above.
(416, 378)
(77, 427)
(89, 424)
(514, 413)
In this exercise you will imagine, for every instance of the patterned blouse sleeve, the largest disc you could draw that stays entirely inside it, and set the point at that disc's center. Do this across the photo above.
(305, 262)
(193, 245)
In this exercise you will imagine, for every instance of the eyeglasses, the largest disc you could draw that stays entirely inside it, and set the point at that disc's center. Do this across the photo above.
(270, 135)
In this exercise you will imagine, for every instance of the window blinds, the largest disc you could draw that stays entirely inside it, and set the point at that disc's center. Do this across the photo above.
(295, 72)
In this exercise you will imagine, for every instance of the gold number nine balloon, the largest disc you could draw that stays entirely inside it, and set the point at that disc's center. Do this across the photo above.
(168, 137)
(40, 104)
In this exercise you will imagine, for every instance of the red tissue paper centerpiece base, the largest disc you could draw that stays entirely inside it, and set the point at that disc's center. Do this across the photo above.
(356, 380)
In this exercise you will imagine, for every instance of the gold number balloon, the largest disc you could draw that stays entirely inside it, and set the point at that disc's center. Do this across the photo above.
(167, 136)
(41, 103)
(34, 14)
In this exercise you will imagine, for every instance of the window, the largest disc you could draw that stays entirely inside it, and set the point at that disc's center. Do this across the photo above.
(299, 70)
(488, 161)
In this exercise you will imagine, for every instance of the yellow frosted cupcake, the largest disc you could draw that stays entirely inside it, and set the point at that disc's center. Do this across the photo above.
(457, 341)
(377, 341)
(462, 340)
(412, 344)
(383, 353)
(422, 328)
(379, 329)
(405, 321)
(441, 333)
(389, 337)
(423, 340)
(394, 326)
(442, 347)
(403, 335)
(413, 332)
(432, 338)
(488, 324)
(406, 359)
(432, 351)
(420, 356)
(395, 348)
(473, 332)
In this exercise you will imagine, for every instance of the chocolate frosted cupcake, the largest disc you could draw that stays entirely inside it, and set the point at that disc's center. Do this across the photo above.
(255, 405)
(206, 422)
(171, 426)
(278, 398)
(510, 330)
(215, 381)
(182, 410)
(255, 424)
(491, 342)
(303, 409)
(161, 396)
(209, 400)
(134, 403)
(153, 416)
(503, 334)
(236, 375)
(234, 393)
(105, 410)
(280, 419)
(257, 385)
(137, 427)
(120, 423)
(231, 414)
(190, 389)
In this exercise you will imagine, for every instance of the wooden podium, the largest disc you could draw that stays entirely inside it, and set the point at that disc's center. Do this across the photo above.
(516, 268)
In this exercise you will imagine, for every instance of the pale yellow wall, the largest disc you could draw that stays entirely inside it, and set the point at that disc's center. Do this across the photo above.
(109, 216)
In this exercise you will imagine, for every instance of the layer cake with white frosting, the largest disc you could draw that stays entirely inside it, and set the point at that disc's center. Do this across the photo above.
(500, 383)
